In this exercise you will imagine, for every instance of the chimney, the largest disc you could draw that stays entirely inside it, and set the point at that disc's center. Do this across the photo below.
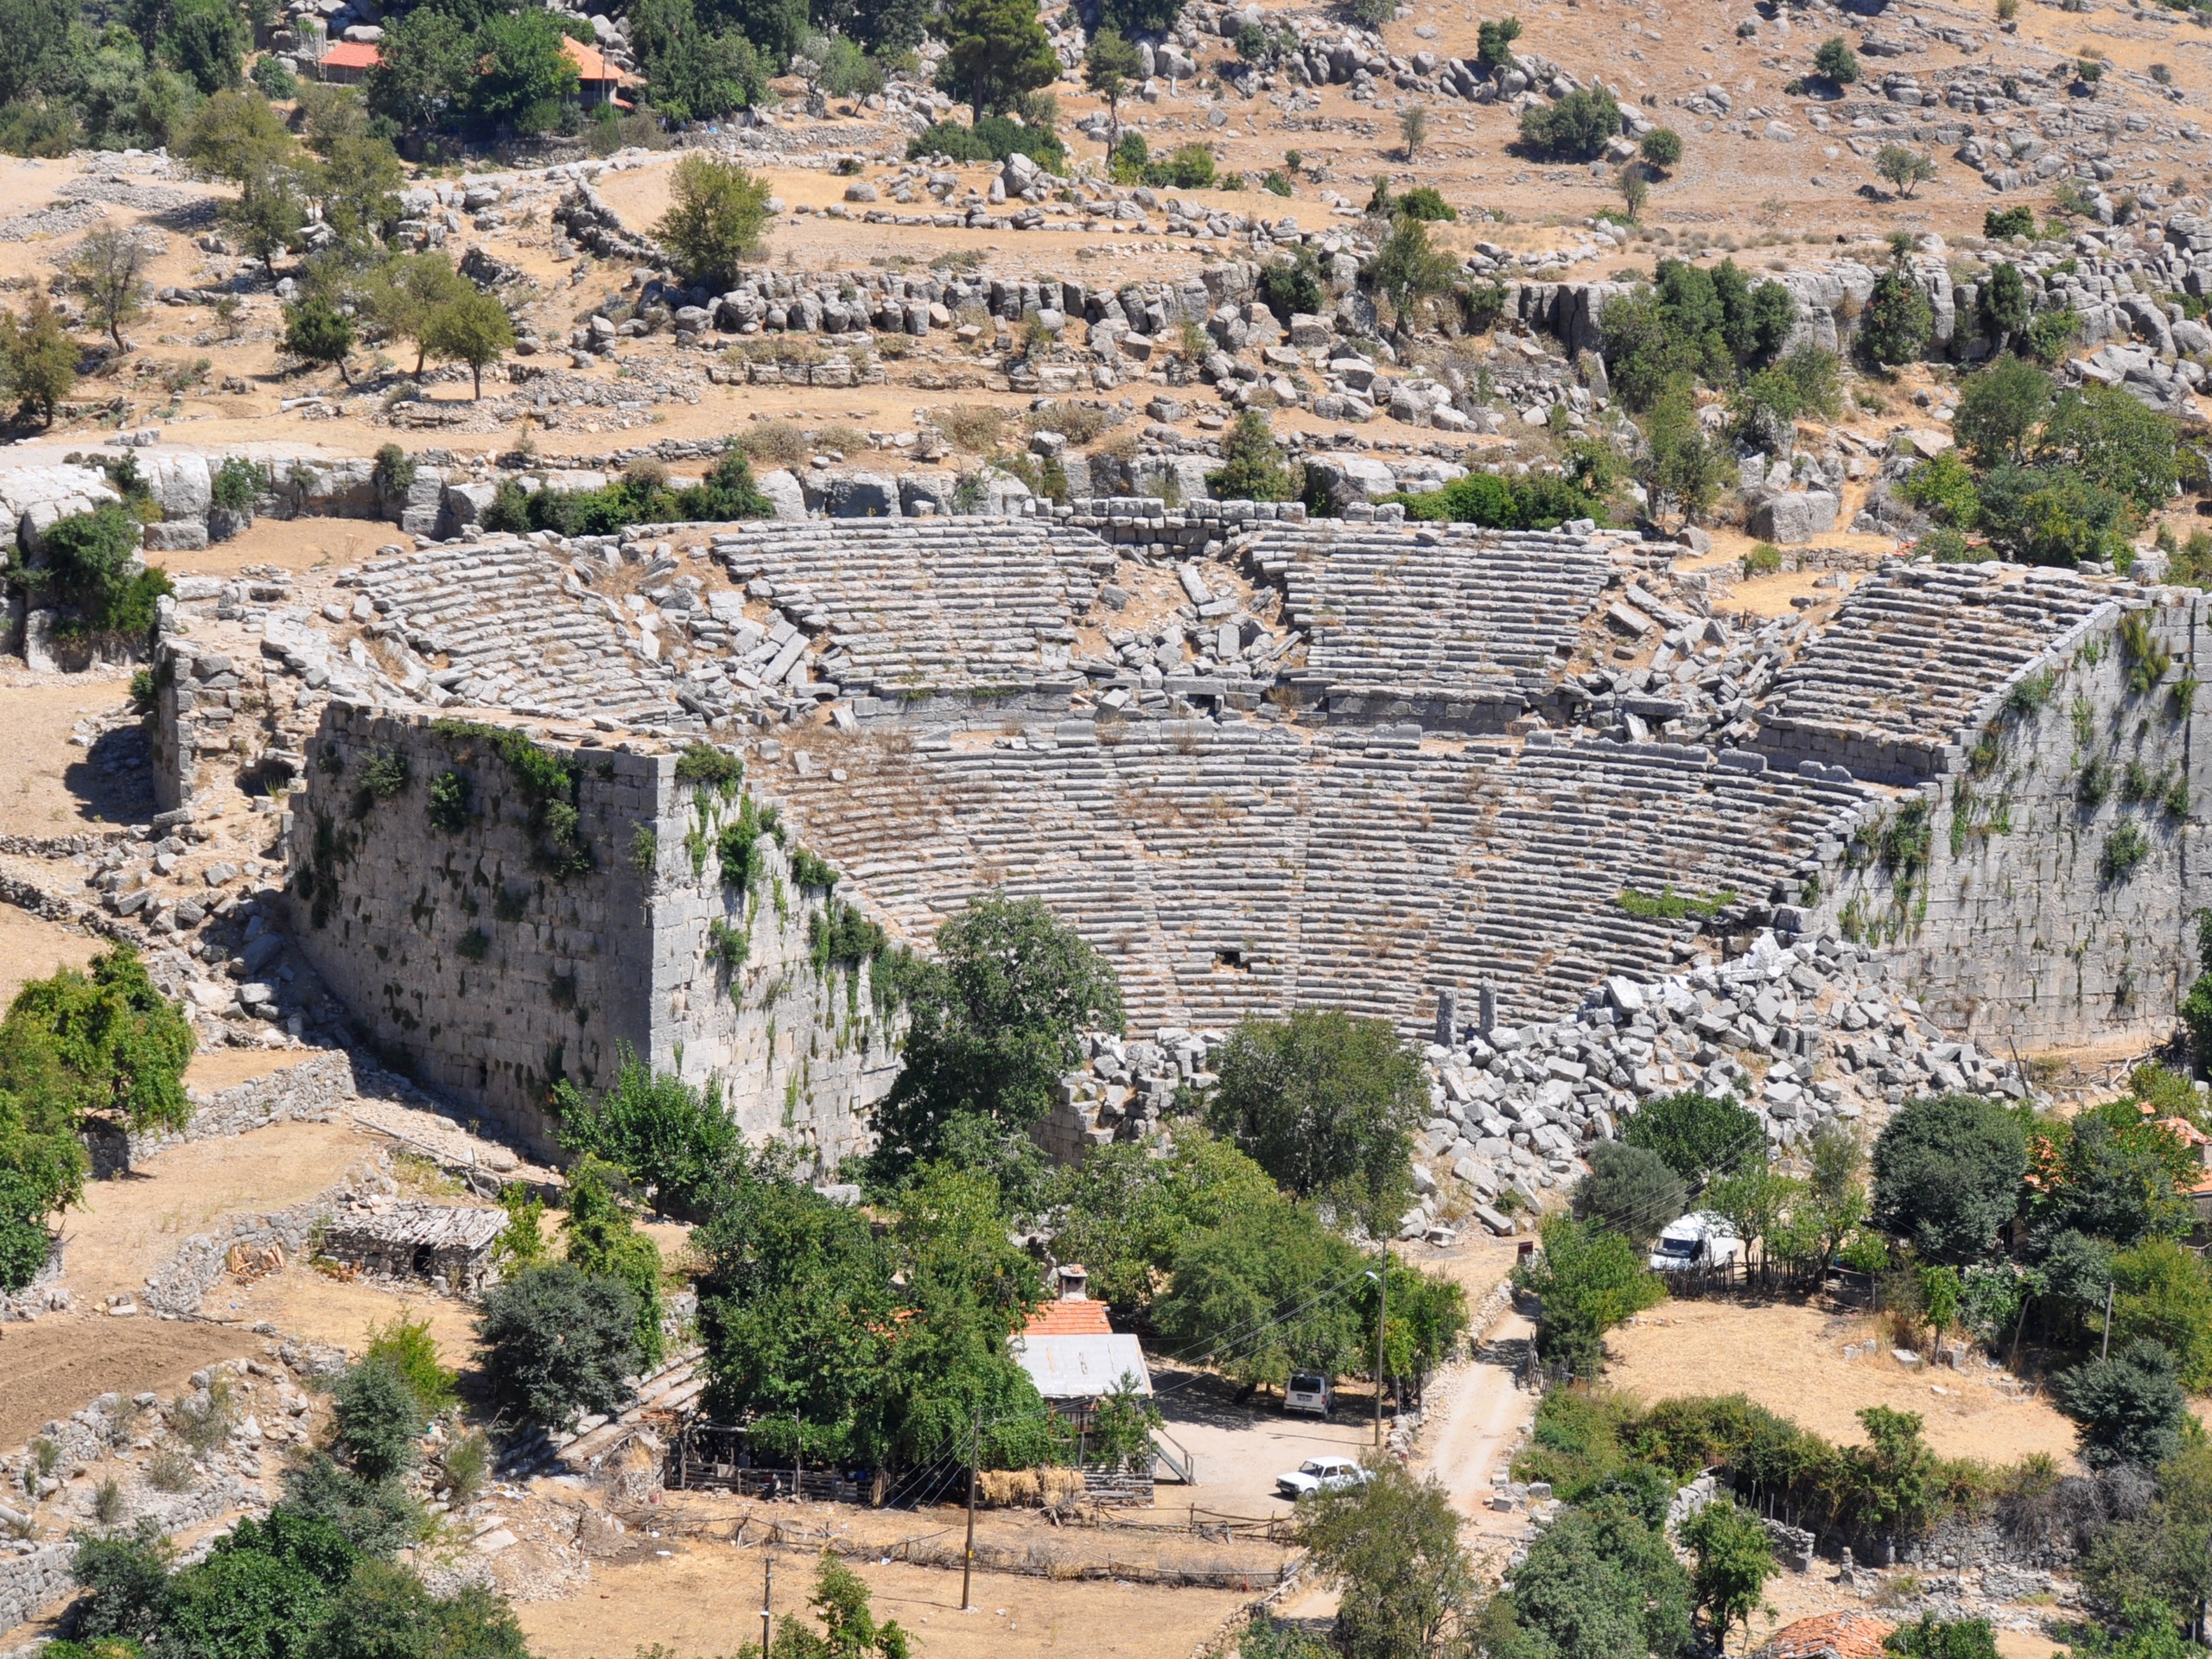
(1075, 1283)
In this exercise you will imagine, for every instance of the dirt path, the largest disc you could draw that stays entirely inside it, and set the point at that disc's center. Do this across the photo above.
(53, 1367)
(1484, 1413)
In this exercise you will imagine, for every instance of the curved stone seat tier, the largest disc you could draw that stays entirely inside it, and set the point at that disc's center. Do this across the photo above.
(1917, 657)
(517, 633)
(1479, 623)
(1240, 869)
(908, 609)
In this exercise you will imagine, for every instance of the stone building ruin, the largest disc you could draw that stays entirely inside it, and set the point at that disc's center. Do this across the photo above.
(1259, 762)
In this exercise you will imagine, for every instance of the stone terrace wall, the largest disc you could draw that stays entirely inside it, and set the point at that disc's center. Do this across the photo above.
(482, 974)
(2026, 919)
(1244, 868)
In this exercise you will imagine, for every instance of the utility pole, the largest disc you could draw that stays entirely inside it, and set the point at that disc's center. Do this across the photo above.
(968, 1554)
(1381, 1319)
(767, 1591)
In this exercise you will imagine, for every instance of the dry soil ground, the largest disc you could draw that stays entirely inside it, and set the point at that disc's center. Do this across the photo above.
(1790, 1358)
(48, 786)
(32, 948)
(56, 1366)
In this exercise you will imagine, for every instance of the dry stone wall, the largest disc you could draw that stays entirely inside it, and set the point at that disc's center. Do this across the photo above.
(488, 975)
(2040, 886)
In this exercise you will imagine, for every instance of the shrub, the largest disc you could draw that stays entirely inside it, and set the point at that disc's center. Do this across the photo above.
(1589, 1280)
(1662, 147)
(1834, 60)
(375, 1516)
(449, 802)
(1494, 42)
(672, 1139)
(1292, 286)
(123, 1577)
(2128, 1409)
(1897, 321)
(992, 139)
(1629, 1190)
(1575, 128)
(2125, 848)
(1252, 465)
(1999, 407)
(604, 1242)
(393, 473)
(386, 1612)
(1947, 1174)
(88, 575)
(1425, 202)
(2001, 224)
(717, 218)
(377, 1418)
(237, 484)
(559, 1343)
(406, 1346)
(1935, 1638)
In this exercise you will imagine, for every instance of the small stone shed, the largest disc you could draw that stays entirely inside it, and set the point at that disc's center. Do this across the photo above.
(450, 1244)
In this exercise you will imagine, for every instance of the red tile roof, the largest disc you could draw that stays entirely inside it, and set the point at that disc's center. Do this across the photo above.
(353, 54)
(590, 64)
(1829, 1636)
(1069, 1319)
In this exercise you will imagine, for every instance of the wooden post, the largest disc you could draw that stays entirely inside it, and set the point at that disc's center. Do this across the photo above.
(767, 1592)
(968, 1554)
(1381, 1319)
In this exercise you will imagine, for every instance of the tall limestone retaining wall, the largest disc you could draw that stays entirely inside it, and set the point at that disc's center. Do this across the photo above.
(484, 974)
(2040, 888)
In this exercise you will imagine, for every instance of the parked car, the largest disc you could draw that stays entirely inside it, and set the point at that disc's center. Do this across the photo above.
(1307, 1391)
(1701, 1239)
(1322, 1475)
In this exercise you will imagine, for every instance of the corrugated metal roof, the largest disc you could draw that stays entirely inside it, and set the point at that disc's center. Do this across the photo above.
(1081, 1367)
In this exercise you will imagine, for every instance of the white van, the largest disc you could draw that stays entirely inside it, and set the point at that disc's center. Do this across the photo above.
(1307, 1391)
(1701, 1239)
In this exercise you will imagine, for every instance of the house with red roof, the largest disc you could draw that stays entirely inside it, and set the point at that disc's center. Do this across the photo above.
(598, 81)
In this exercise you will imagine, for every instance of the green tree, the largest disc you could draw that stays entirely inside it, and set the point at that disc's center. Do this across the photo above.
(1110, 66)
(1837, 1192)
(104, 1043)
(1897, 321)
(123, 1575)
(1903, 168)
(38, 360)
(842, 1602)
(1252, 465)
(994, 1024)
(1494, 42)
(1629, 1190)
(2003, 303)
(1125, 1210)
(1589, 1280)
(1260, 1296)
(1391, 1546)
(695, 73)
(995, 51)
(236, 135)
(1601, 1582)
(1408, 270)
(1327, 1103)
(319, 332)
(604, 1242)
(379, 1418)
(376, 1517)
(2127, 1408)
(1946, 1175)
(1756, 1198)
(523, 74)
(471, 328)
(92, 572)
(262, 1592)
(1661, 147)
(426, 64)
(559, 1343)
(386, 1612)
(2161, 1292)
(776, 27)
(108, 271)
(717, 219)
(1697, 1135)
(1573, 129)
(1929, 1637)
(673, 1139)
(1681, 467)
(1999, 407)
(1732, 1560)
(40, 44)
(2114, 441)
(1834, 60)
(405, 294)
(358, 184)
(205, 42)
(2116, 1175)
